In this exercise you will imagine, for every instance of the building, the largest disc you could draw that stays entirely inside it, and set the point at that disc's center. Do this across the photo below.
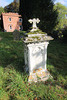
(11, 22)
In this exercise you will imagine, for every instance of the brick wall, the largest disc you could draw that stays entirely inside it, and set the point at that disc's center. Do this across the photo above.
(11, 21)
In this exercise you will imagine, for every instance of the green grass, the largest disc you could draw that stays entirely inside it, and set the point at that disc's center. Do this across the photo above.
(13, 79)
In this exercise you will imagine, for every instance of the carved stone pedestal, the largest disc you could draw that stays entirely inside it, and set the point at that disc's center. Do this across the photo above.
(35, 61)
(35, 53)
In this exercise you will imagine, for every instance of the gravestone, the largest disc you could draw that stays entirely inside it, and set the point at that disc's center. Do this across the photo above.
(16, 35)
(35, 53)
(0, 38)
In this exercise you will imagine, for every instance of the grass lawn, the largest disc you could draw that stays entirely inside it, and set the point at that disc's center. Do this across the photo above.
(13, 79)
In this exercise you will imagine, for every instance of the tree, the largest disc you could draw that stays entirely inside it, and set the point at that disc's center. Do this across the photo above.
(62, 12)
(42, 9)
(16, 1)
(12, 7)
(1, 10)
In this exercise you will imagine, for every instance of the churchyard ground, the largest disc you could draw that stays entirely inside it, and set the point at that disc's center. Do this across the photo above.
(13, 79)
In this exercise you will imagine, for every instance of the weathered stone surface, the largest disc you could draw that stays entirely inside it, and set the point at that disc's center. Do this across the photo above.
(0, 38)
(35, 59)
(34, 21)
(37, 38)
(38, 75)
(16, 35)
(35, 53)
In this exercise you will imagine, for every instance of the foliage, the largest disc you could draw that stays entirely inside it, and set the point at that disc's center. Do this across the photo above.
(16, 1)
(62, 12)
(1, 10)
(42, 9)
(60, 34)
(0, 27)
(13, 79)
(64, 31)
(12, 7)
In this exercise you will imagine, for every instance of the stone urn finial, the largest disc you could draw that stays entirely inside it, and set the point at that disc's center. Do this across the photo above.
(34, 21)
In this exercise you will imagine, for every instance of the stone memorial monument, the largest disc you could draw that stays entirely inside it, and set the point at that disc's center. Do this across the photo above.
(16, 35)
(35, 53)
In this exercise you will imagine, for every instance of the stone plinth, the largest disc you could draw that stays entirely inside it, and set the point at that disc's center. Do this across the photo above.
(39, 75)
(35, 54)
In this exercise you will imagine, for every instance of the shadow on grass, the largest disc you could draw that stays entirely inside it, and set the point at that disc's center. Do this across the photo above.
(13, 80)
(57, 56)
(57, 62)
(11, 52)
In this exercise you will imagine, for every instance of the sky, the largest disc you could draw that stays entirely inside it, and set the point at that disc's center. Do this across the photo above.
(6, 2)
(64, 2)
(3, 3)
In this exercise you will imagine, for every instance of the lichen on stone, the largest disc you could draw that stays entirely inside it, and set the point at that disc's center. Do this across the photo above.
(38, 31)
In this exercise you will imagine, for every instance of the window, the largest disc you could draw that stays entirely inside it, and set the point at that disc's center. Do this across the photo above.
(9, 19)
(20, 27)
(10, 27)
(20, 19)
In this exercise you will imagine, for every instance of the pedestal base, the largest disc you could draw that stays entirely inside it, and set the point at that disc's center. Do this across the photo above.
(38, 75)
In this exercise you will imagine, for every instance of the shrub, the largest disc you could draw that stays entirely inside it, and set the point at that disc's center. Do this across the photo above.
(65, 34)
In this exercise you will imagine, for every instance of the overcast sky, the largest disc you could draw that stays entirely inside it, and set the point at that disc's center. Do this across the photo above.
(6, 2)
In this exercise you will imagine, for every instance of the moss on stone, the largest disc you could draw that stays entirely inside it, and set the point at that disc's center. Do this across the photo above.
(36, 32)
